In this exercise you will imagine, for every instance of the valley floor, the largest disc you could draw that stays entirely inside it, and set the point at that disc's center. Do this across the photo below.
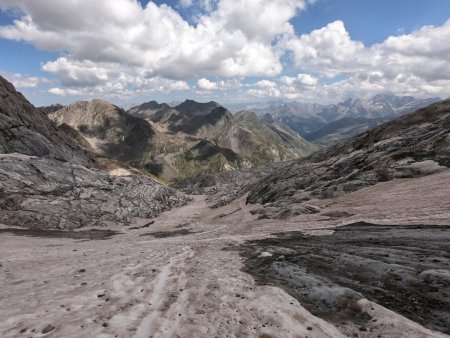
(182, 275)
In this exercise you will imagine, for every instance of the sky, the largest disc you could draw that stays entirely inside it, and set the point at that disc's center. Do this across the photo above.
(230, 51)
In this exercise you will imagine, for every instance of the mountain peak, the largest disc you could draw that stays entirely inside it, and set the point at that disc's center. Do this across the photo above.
(191, 107)
(153, 105)
(267, 117)
(247, 115)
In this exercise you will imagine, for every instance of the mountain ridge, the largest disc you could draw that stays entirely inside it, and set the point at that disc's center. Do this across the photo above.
(187, 140)
(308, 118)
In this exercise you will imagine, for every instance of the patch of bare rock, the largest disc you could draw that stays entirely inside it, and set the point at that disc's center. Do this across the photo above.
(403, 268)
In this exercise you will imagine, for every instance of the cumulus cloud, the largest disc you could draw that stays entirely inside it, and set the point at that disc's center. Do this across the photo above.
(329, 50)
(21, 81)
(415, 63)
(205, 84)
(109, 38)
(301, 81)
(122, 46)
(265, 92)
(265, 84)
(64, 92)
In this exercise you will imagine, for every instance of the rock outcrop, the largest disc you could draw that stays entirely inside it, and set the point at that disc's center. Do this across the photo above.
(25, 130)
(45, 193)
(48, 181)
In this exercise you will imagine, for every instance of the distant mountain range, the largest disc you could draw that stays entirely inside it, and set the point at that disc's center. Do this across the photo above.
(50, 109)
(174, 143)
(325, 125)
(193, 138)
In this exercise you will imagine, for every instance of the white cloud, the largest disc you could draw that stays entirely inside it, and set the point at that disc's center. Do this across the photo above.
(301, 81)
(185, 3)
(328, 50)
(79, 73)
(64, 92)
(117, 88)
(415, 63)
(109, 38)
(205, 84)
(21, 81)
(266, 92)
(118, 46)
(265, 84)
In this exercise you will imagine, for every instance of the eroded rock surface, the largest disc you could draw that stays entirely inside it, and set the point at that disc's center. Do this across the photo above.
(404, 268)
(46, 193)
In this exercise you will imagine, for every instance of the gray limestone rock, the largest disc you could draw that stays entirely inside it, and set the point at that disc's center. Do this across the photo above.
(25, 130)
(47, 193)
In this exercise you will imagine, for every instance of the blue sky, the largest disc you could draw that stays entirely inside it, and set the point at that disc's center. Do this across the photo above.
(225, 50)
(373, 21)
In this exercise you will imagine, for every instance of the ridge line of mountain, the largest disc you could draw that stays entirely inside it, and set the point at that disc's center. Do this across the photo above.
(175, 143)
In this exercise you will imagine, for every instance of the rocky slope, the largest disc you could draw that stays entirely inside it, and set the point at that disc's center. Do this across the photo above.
(25, 130)
(44, 193)
(270, 140)
(110, 130)
(326, 125)
(47, 181)
(413, 145)
(342, 129)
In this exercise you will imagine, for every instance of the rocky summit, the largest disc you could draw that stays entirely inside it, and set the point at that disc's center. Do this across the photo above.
(253, 140)
(109, 130)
